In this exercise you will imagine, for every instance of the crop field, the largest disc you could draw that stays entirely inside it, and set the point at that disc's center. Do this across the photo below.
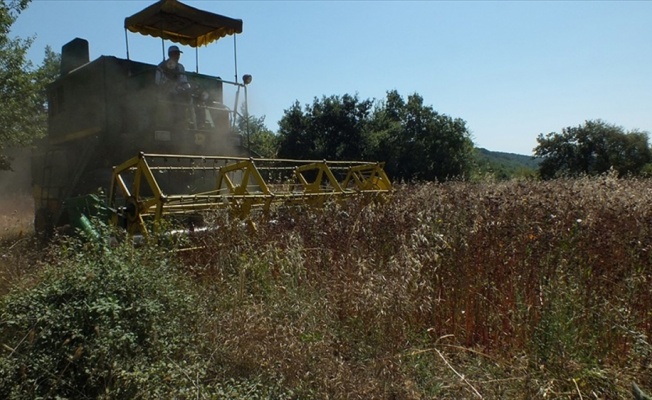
(494, 290)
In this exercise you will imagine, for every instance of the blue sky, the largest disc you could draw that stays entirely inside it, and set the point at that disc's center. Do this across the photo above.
(510, 69)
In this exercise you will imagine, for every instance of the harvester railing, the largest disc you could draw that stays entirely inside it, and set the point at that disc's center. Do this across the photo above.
(149, 187)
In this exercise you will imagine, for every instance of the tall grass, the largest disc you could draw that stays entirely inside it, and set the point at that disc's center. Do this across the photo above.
(528, 290)
(517, 290)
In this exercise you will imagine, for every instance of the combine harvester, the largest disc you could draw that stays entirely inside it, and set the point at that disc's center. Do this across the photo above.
(115, 151)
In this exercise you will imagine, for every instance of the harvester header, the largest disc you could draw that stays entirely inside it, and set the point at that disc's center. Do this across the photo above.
(149, 187)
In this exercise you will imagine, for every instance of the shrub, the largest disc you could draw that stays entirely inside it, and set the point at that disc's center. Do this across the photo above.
(100, 323)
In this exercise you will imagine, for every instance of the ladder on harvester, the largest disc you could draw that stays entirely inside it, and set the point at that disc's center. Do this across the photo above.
(150, 187)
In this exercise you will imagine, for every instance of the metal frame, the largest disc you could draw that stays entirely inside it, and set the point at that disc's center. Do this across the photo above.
(140, 204)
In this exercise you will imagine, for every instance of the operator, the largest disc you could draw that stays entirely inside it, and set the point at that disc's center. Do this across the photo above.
(171, 74)
(174, 91)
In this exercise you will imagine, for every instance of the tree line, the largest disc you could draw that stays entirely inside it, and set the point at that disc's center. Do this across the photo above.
(418, 143)
(415, 142)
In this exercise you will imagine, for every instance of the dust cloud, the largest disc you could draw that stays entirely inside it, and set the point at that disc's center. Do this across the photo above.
(16, 202)
(19, 180)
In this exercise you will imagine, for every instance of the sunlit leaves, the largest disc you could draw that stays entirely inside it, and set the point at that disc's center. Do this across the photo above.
(22, 87)
(415, 141)
(258, 138)
(592, 148)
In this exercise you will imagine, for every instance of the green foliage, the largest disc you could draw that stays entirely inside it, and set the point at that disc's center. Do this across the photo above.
(258, 138)
(592, 149)
(100, 324)
(333, 128)
(430, 146)
(22, 87)
(47, 72)
(416, 142)
(116, 322)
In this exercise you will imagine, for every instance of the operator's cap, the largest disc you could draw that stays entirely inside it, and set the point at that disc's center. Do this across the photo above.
(172, 49)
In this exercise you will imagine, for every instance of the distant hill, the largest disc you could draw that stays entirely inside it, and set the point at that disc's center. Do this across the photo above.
(505, 165)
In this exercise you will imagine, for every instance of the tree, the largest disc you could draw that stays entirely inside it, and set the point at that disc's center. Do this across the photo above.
(415, 141)
(333, 128)
(22, 87)
(295, 141)
(592, 148)
(259, 139)
(421, 143)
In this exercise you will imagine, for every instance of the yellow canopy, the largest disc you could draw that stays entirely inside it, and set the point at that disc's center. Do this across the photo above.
(179, 23)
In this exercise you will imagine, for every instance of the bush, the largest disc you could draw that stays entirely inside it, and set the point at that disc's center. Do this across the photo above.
(101, 323)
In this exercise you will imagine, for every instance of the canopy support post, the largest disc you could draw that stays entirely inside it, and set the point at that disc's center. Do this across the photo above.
(127, 42)
(196, 59)
(246, 115)
(163, 48)
(235, 107)
(235, 58)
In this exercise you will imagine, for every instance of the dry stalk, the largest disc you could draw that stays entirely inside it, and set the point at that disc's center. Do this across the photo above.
(462, 377)
(578, 389)
(448, 364)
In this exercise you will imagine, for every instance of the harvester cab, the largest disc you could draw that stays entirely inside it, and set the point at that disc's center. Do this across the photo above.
(125, 149)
